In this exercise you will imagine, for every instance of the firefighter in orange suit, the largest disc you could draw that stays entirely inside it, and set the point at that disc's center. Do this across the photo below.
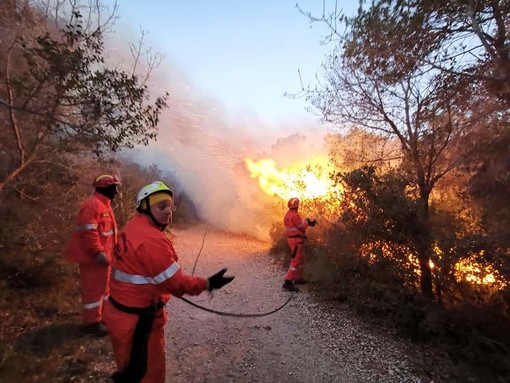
(145, 272)
(295, 229)
(91, 246)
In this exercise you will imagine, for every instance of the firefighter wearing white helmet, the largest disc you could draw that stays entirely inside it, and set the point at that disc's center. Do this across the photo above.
(150, 195)
(145, 273)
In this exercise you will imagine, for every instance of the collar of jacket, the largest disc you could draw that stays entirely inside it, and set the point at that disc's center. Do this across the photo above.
(152, 220)
(104, 199)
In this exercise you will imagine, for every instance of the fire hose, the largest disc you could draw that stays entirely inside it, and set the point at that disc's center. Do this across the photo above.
(239, 315)
(229, 314)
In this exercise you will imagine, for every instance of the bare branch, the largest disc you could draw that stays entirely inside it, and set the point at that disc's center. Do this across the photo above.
(98, 17)
(152, 59)
(12, 117)
(476, 28)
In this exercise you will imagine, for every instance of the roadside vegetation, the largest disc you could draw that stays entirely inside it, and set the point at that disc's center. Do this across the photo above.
(419, 94)
(65, 113)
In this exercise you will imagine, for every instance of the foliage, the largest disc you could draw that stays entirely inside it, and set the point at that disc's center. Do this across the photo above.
(60, 96)
(359, 147)
(431, 75)
(65, 114)
(465, 39)
(381, 217)
(371, 252)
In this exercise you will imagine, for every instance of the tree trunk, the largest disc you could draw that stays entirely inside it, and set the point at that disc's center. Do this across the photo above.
(426, 273)
(423, 247)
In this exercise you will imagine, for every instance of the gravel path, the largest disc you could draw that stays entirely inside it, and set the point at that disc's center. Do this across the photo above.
(307, 341)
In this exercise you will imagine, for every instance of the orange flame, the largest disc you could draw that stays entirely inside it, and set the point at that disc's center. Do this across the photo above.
(470, 270)
(303, 180)
(478, 273)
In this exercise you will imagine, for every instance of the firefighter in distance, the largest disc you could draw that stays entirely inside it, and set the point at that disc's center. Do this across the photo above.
(91, 247)
(295, 229)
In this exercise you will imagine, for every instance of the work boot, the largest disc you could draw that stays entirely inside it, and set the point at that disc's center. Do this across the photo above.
(97, 329)
(288, 285)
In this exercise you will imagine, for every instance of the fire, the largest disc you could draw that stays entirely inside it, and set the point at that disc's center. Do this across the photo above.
(302, 180)
(470, 270)
(476, 272)
(311, 181)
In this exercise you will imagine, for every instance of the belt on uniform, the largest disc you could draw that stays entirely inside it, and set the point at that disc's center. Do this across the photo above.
(152, 309)
(297, 236)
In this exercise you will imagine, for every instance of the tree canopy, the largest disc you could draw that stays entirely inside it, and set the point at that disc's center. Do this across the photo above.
(59, 94)
(433, 75)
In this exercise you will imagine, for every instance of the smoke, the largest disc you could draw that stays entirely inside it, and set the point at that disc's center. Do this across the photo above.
(204, 146)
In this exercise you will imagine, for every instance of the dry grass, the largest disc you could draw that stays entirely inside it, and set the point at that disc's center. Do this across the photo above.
(41, 338)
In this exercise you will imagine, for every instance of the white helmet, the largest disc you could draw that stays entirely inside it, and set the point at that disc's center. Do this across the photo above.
(147, 190)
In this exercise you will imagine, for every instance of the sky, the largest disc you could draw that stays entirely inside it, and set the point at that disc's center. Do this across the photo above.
(245, 54)
(227, 67)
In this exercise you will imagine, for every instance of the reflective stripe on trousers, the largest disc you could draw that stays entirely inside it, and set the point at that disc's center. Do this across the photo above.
(94, 304)
(94, 291)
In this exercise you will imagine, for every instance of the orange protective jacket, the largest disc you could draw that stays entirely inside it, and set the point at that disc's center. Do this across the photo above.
(144, 274)
(95, 232)
(145, 269)
(295, 227)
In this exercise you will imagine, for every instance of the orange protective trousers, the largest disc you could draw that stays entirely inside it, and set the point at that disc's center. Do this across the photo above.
(94, 290)
(295, 271)
(121, 327)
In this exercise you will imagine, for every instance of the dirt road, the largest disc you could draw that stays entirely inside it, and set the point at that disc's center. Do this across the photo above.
(307, 341)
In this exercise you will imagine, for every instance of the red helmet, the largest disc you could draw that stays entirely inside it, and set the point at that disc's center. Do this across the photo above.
(105, 180)
(293, 203)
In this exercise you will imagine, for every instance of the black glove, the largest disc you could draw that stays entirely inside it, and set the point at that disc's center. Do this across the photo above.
(311, 222)
(102, 260)
(217, 281)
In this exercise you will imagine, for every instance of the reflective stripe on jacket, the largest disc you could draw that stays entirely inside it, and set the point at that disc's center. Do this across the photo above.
(294, 226)
(145, 267)
(95, 231)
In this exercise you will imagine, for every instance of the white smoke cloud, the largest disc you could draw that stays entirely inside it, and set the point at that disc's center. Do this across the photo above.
(204, 146)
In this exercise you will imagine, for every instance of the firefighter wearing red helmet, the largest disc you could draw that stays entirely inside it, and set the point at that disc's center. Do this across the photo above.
(295, 228)
(91, 247)
(145, 272)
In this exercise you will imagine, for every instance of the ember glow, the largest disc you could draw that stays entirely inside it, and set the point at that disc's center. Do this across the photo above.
(470, 270)
(476, 272)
